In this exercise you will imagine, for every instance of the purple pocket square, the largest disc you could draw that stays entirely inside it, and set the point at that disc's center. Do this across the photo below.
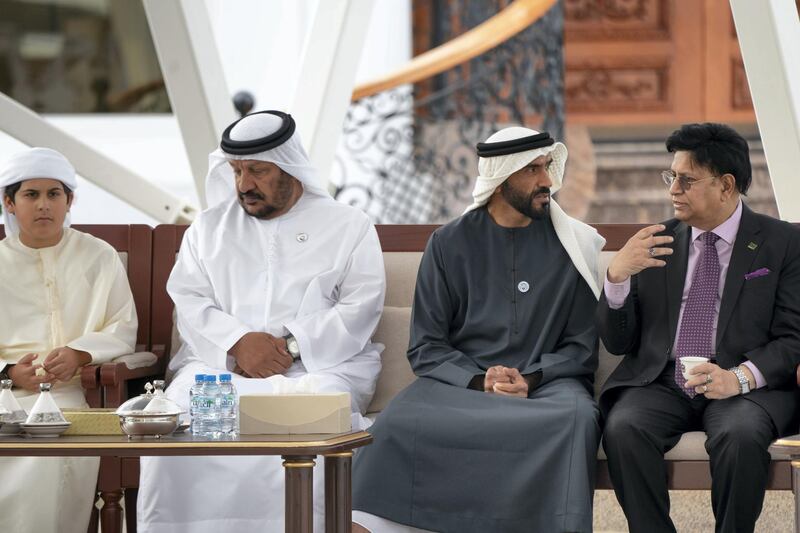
(757, 273)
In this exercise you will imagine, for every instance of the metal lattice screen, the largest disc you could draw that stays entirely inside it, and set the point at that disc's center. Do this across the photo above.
(408, 154)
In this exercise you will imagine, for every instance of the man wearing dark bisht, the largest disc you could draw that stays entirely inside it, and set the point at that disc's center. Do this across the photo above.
(500, 431)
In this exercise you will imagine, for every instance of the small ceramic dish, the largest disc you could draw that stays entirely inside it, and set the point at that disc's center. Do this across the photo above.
(45, 430)
(9, 428)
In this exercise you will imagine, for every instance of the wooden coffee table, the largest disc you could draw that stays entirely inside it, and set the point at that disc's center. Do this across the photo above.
(298, 451)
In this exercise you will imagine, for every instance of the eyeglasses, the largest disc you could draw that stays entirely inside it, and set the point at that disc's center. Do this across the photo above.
(684, 182)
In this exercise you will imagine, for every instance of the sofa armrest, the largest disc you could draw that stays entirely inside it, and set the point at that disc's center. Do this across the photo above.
(90, 374)
(90, 381)
(115, 375)
(133, 361)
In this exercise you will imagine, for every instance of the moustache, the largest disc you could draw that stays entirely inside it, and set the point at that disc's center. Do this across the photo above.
(540, 190)
(253, 195)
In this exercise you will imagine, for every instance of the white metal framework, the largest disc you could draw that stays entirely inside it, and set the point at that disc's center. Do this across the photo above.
(194, 78)
(769, 36)
(768, 31)
(327, 76)
(30, 128)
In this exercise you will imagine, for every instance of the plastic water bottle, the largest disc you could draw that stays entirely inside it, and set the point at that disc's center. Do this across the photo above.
(211, 389)
(208, 408)
(194, 400)
(228, 406)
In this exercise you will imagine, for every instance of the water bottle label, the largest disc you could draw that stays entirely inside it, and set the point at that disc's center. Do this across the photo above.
(205, 404)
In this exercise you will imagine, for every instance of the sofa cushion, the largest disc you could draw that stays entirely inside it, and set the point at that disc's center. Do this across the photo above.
(136, 360)
(607, 362)
(123, 257)
(691, 447)
(396, 373)
(401, 277)
(605, 258)
(606, 365)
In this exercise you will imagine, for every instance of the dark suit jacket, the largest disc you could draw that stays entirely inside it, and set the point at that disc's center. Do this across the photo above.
(759, 319)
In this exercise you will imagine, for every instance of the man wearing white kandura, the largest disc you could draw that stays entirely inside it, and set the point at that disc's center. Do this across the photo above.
(282, 285)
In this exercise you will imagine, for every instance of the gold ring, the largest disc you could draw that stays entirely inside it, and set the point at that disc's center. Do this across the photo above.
(705, 389)
(708, 379)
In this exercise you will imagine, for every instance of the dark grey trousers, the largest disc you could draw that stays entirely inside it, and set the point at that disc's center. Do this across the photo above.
(646, 422)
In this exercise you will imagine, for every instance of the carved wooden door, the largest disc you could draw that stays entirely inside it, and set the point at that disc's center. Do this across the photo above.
(653, 62)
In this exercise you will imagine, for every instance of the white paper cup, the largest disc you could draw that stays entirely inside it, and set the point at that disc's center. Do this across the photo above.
(689, 362)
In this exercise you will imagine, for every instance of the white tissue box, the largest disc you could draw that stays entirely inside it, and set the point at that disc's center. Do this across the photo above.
(294, 414)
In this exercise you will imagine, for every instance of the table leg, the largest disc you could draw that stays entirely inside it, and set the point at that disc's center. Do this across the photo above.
(111, 513)
(338, 492)
(796, 490)
(299, 497)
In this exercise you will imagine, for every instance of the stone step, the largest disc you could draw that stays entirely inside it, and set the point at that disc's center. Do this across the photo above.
(628, 186)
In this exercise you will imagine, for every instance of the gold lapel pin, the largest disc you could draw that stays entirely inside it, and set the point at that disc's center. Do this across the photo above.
(752, 246)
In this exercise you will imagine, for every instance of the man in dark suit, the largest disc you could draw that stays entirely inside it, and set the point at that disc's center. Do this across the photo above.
(720, 282)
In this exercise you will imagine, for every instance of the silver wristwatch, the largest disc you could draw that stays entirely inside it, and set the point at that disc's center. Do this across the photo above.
(744, 385)
(292, 346)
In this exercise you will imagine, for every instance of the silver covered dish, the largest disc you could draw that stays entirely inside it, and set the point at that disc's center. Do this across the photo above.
(148, 425)
(151, 414)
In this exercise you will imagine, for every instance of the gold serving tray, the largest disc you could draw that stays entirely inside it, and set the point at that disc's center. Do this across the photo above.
(92, 422)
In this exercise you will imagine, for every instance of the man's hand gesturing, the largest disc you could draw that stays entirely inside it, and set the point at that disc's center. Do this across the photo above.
(643, 250)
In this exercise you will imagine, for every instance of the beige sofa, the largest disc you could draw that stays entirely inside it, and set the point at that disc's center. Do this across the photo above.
(688, 461)
(687, 464)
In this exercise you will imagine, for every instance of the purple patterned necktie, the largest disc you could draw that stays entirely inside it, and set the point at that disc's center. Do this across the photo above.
(695, 336)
